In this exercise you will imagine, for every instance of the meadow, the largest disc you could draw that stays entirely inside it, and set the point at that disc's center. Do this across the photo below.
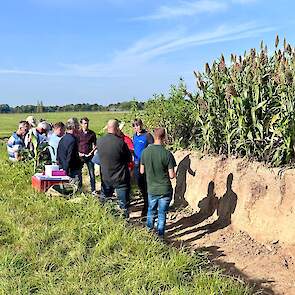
(59, 246)
(8, 122)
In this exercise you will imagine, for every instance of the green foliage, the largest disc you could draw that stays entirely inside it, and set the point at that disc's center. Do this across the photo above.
(80, 107)
(242, 109)
(55, 246)
(174, 113)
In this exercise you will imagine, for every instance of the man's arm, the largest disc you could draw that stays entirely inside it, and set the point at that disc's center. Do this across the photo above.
(171, 165)
(171, 172)
(12, 148)
(69, 156)
(94, 147)
(141, 170)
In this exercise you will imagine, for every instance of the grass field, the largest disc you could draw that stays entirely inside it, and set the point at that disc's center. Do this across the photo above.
(9, 122)
(55, 246)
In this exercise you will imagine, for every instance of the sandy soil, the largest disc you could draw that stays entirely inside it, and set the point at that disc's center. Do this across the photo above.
(269, 267)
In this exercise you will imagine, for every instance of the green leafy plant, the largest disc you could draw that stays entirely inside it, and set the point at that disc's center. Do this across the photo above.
(244, 108)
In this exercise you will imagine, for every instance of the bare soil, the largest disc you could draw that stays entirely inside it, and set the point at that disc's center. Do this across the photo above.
(270, 268)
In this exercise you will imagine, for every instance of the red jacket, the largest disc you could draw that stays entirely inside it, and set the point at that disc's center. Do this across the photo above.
(130, 145)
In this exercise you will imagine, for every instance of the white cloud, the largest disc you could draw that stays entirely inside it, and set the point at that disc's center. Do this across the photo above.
(146, 49)
(185, 8)
(244, 1)
(141, 56)
(143, 53)
(191, 8)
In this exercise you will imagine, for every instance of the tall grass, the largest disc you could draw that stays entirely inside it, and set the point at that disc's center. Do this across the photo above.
(55, 246)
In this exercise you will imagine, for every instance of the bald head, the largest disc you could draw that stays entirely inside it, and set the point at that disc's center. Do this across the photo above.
(113, 126)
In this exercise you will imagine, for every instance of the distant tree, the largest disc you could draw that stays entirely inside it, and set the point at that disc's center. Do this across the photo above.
(41, 106)
(38, 107)
(85, 107)
(5, 108)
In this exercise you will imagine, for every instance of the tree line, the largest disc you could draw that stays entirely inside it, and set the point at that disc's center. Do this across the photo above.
(80, 107)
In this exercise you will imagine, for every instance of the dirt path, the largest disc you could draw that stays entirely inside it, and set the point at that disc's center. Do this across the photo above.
(270, 267)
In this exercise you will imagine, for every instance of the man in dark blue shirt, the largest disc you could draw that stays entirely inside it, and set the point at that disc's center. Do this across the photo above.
(141, 139)
(68, 152)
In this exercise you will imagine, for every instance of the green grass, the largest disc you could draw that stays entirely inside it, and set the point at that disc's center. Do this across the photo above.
(54, 246)
(9, 122)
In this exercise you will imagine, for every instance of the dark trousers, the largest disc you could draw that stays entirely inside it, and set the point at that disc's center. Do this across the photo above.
(122, 191)
(77, 174)
(90, 166)
(141, 183)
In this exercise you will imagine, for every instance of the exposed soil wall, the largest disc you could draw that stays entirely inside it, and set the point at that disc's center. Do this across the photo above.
(247, 195)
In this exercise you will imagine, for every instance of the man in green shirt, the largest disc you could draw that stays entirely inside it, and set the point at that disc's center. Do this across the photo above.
(158, 165)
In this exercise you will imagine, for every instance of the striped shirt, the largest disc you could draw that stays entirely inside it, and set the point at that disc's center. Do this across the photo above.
(14, 145)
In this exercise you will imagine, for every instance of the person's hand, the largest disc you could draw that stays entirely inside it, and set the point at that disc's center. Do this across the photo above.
(81, 155)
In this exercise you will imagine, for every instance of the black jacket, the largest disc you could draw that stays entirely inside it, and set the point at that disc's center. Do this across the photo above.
(114, 157)
(68, 154)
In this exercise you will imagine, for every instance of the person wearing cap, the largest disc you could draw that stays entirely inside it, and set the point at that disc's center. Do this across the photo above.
(16, 141)
(158, 164)
(141, 139)
(87, 148)
(39, 133)
(32, 121)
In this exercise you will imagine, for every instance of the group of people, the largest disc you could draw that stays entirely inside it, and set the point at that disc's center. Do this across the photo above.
(73, 144)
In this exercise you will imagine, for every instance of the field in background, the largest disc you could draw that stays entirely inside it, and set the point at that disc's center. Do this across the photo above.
(8, 122)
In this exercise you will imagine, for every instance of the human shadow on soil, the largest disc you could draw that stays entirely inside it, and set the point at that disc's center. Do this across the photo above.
(229, 268)
(207, 206)
(225, 208)
(183, 168)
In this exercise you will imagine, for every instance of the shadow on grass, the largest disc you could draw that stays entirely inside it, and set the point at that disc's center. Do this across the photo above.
(228, 268)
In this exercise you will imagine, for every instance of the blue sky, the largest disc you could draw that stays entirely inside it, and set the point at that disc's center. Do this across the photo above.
(104, 51)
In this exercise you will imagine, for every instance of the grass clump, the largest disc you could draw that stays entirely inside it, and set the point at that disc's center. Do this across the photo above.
(53, 246)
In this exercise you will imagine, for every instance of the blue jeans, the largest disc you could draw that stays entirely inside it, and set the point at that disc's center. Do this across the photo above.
(90, 166)
(122, 191)
(158, 205)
